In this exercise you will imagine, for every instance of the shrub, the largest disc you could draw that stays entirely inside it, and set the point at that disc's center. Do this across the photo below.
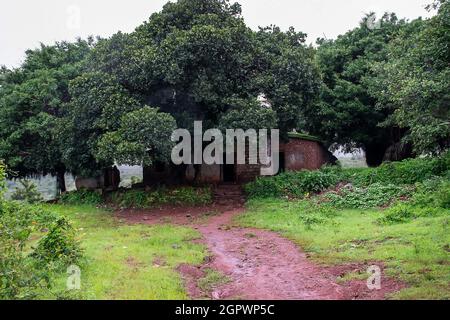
(293, 184)
(190, 196)
(23, 271)
(140, 199)
(432, 193)
(28, 192)
(299, 184)
(431, 198)
(405, 212)
(131, 199)
(443, 197)
(82, 196)
(375, 195)
(59, 247)
(405, 172)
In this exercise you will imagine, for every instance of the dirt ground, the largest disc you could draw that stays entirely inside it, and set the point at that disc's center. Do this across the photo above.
(259, 264)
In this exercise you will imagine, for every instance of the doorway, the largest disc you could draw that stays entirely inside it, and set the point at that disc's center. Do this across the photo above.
(282, 165)
(229, 173)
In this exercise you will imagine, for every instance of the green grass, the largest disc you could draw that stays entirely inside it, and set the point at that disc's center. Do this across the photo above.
(212, 280)
(129, 261)
(416, 252)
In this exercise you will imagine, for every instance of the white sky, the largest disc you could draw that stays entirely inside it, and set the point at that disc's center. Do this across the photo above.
(26, 23)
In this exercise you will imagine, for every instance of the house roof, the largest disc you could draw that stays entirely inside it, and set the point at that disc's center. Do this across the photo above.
(303, 136)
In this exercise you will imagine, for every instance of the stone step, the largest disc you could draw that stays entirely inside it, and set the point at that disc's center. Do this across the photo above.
(229, 194)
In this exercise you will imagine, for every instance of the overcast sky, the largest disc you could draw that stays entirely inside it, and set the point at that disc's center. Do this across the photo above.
(26, 23)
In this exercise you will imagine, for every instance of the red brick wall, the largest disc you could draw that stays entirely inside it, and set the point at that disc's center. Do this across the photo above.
(247, 172)
(303, 155)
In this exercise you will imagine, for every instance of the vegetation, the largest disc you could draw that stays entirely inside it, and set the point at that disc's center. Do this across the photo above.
(81, 197)
(31, 102)
(375, 195)
(35, 245)
(128, 261)
(413, 84)
(293, 184)
(385, 89)
(27, 193)
(384, 181)
(117, 261)
(405, 227)
(345, 113)
(82, 107)
(141, 199)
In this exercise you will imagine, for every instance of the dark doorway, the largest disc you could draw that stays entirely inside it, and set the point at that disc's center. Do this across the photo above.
(282, 163)
(229, 173)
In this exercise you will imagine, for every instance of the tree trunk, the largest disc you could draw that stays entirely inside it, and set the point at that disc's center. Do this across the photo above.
(146, 176)
(197, 168)
(399, 151)
(375, 153)
(61, 181)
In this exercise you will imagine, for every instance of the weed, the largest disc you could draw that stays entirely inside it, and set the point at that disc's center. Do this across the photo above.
(211, 280)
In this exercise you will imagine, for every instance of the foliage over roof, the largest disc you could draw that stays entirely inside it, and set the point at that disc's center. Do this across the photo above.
(303, 136)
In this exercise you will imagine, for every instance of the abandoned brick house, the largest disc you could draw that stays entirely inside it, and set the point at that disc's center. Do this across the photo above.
(301, 152)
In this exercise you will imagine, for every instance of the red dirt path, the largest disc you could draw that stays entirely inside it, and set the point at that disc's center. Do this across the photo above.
(260, 264)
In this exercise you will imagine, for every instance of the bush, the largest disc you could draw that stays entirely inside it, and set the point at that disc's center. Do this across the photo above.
(375, 195)
(293, 184)
(131, 199)
(431, 198)
(190, 196)
(400, 173)
(59, 247)
(404, 212)
(140, 199)
(432, 193)
(28, 193)
(25, 271)
(81, 197)
(303, 183)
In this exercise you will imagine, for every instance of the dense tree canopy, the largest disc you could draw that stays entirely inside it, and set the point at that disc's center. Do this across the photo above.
(142, 137)
(386, 88)
(198, 60)
(31, 101)
(81, 107)
(346, 112)
(413, 84)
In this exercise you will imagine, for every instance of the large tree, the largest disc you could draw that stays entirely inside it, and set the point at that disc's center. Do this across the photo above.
(413, 85)
(194, 60)
(346, 113)
(197, 60)
(96, 106)
(31, 100)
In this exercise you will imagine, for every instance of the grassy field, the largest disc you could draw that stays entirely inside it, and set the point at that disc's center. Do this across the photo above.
(416, 252)
(129, 262)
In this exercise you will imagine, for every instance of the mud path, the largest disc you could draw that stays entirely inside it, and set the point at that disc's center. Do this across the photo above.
(260, 264)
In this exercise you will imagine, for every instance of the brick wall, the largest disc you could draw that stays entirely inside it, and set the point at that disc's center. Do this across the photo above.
(304, 155)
